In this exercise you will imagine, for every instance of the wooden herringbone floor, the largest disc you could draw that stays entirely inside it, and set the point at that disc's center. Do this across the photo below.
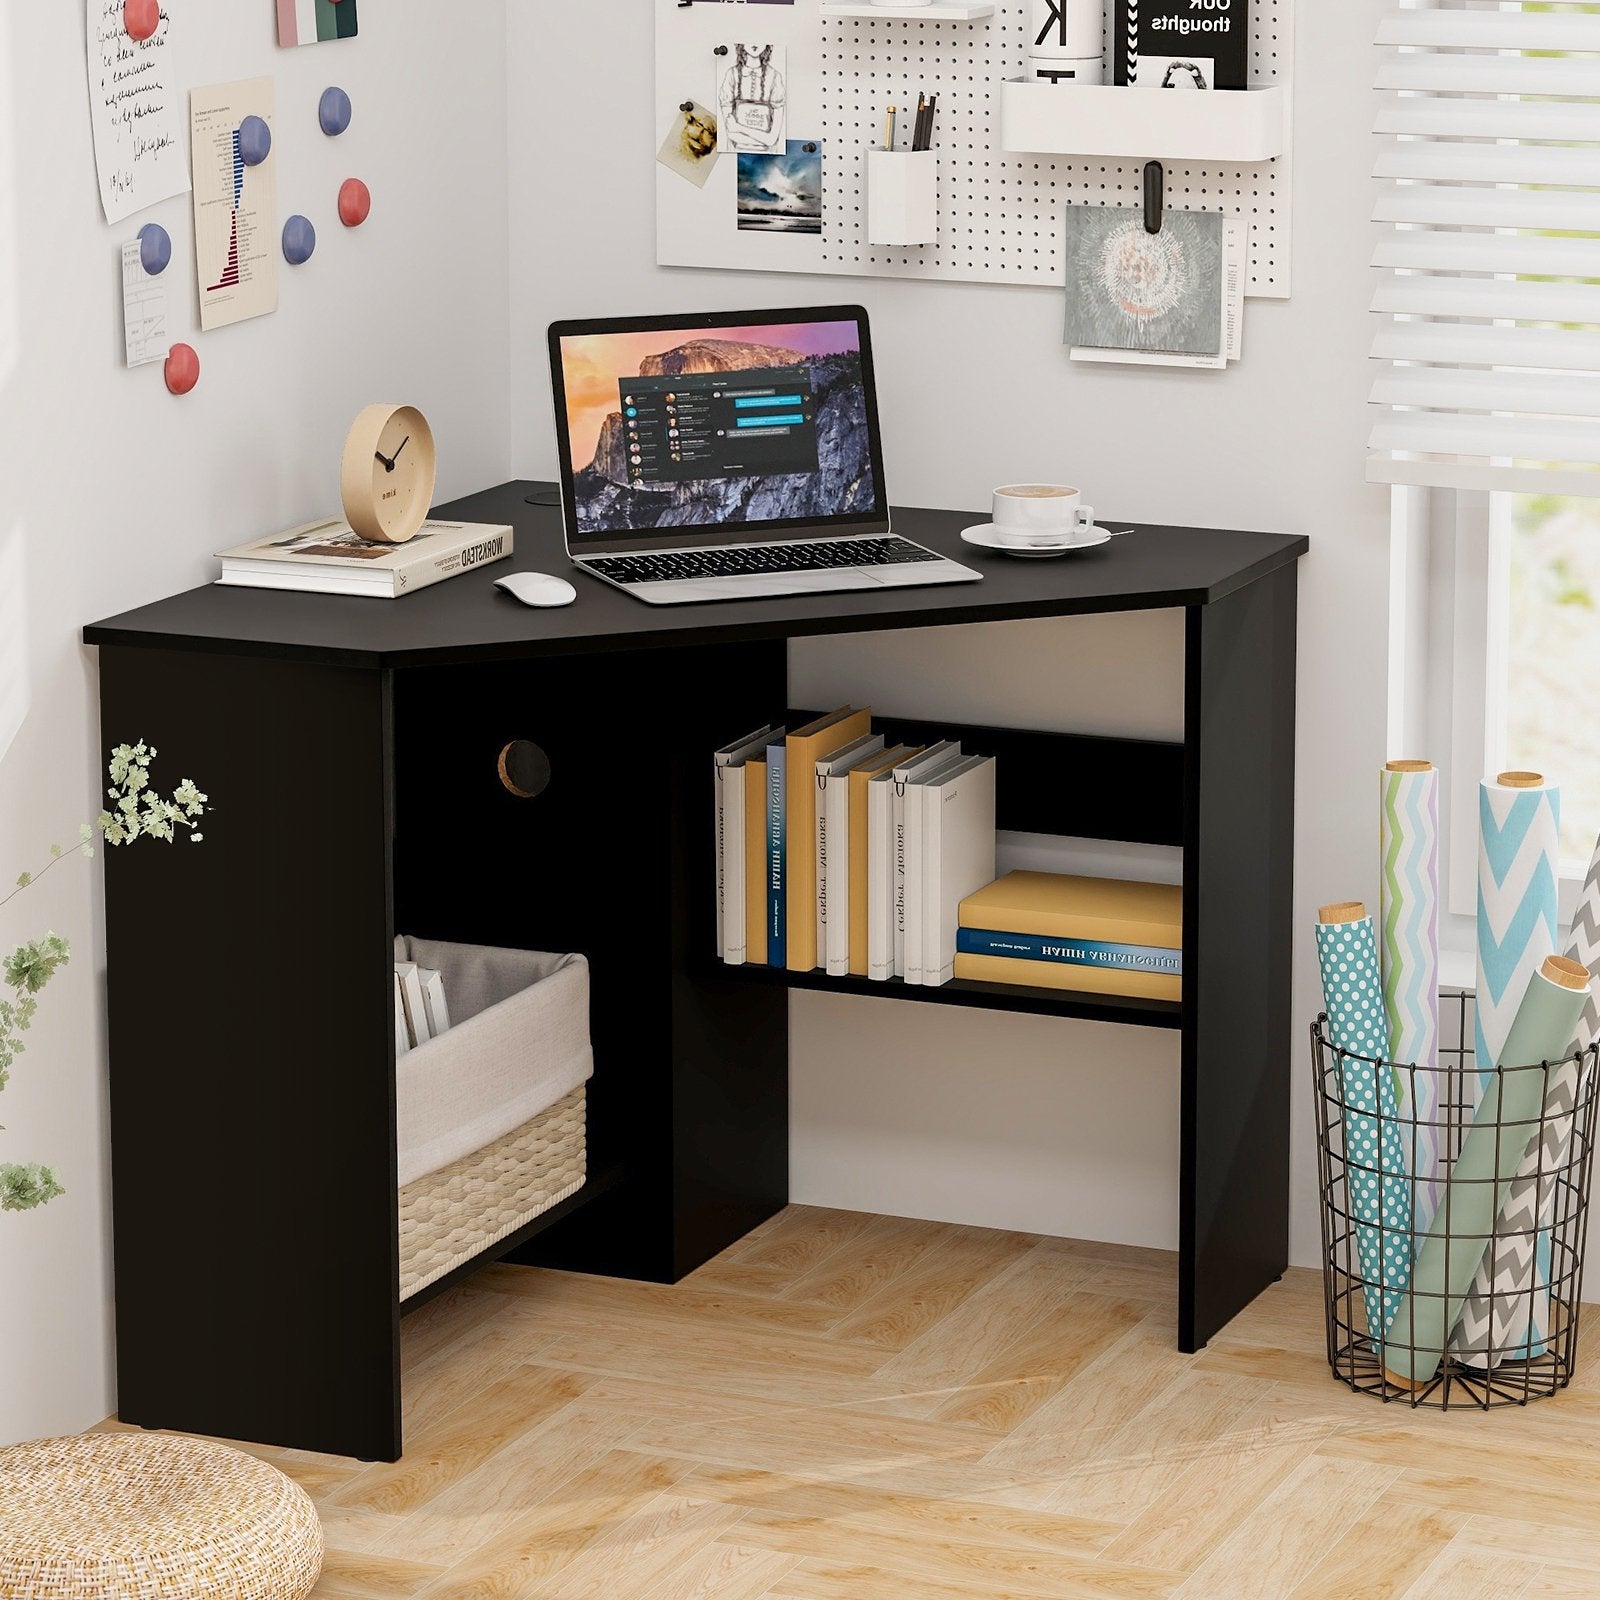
(847, 1407)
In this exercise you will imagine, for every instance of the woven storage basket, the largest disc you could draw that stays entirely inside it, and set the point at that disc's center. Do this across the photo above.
(475, 1166)
(450, 1216)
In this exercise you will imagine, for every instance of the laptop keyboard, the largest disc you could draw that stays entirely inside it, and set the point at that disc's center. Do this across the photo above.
(666, 565)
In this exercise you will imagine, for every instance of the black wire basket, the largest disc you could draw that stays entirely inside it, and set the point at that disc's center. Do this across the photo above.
(1516, 1335)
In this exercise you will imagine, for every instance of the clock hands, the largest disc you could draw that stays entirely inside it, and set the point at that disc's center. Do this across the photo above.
(389, 461)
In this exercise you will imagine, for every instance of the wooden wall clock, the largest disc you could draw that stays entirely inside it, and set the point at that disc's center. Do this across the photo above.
(387, 480)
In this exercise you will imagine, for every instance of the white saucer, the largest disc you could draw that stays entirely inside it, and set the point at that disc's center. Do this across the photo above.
(992, 538)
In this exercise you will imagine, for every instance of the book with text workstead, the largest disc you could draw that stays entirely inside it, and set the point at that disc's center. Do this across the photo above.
(958, 857)
(329, 557)
(945, 753)
(833, 850)
(804, 748)
(755, 859)
(732, 941)
(863, 786)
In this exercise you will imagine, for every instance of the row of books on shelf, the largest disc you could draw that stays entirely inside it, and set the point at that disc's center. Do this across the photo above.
(838, 850)
(421, 1011)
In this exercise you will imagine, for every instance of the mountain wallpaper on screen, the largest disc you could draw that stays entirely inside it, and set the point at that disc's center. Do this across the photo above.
(842, 484)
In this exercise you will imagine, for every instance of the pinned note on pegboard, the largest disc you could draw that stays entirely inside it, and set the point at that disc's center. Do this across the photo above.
(1000, 212)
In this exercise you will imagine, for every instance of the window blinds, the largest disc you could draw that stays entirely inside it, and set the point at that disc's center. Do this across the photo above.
(1490, 294)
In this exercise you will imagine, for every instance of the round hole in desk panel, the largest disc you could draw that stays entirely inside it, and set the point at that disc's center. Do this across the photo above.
(524, 769)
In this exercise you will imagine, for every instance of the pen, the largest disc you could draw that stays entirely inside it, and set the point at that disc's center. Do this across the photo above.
(888, 139)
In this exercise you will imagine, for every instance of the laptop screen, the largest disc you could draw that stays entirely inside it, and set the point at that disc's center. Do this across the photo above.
(746, 424)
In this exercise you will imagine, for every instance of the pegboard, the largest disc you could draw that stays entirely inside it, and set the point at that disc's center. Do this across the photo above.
(1000, 214)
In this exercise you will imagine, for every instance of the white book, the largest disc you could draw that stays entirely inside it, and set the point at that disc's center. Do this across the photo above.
(931, 759)
(434, 1004)
(833, 847)
(416, 1007)
(732, 937)
(880, 868)
(328, 557)
(958, 856)
(402, 1034)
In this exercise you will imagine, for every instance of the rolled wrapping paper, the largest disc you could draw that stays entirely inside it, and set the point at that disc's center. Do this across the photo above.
(1374, 1146)
(1507, 1314)
(1519, 869)
(1410, 828)
(1483, 1174)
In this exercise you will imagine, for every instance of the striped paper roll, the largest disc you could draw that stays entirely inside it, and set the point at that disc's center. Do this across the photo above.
(1352, 987)
(1481, 1178)
(1410, 792)
(1507, 1314)
(1519, 871)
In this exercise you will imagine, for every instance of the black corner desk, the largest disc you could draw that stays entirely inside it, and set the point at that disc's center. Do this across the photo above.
(350, 749)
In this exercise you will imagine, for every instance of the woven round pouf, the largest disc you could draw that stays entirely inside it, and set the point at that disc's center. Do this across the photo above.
(145, 1517)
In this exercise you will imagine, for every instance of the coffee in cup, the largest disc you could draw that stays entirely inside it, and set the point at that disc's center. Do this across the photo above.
(1041, 513)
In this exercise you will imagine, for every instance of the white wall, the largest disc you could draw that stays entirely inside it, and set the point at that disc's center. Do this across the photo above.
(905, 1108)
(113, 494)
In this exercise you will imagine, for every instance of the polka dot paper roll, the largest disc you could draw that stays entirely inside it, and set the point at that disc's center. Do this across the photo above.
(1375, 1153)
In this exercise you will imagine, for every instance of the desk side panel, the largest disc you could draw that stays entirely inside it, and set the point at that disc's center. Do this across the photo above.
(251, 1053)
(1238, 1050)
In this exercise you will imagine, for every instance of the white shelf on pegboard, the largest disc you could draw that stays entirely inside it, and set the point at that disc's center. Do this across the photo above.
(1242, 125)
(933, 11)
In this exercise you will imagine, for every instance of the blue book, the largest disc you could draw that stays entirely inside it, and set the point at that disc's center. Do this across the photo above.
(777, 898)
(1070, 952)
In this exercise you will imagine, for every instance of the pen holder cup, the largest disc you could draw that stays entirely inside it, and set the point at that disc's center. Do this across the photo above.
(902, 197)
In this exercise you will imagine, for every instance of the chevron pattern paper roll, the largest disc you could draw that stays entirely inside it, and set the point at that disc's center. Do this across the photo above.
(1507, 1312)
(1375, 1156)
(1480, 1181)
(1410, 792)
(1583, 946)
(1519, 868)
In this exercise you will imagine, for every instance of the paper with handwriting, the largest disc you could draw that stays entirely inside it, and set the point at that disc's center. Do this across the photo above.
(136, 112)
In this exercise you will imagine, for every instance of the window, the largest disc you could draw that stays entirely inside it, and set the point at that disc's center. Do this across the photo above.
(1488, 397)
(1551, 695)
(1491, 294)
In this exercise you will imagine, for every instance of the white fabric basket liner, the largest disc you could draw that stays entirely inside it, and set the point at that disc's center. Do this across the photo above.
(518, 1044)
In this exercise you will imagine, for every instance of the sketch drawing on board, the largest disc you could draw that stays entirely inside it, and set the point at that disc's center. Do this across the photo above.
(690, 147)
(1132, 290)
(782, 194)
(753, 97)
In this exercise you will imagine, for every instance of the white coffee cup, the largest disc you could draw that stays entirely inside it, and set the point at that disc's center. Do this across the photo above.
(1041, 513)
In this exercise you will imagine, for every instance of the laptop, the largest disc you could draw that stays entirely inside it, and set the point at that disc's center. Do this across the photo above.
(729, 456)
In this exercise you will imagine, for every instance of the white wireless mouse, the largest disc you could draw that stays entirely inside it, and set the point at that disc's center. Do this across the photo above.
(537, 589)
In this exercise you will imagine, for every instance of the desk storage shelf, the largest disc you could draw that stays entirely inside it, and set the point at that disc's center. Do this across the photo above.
(267, 1307)
(1240, 125)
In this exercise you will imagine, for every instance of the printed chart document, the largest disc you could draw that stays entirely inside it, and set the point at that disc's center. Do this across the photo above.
(235, 206)
(135, 112)
(144, 310)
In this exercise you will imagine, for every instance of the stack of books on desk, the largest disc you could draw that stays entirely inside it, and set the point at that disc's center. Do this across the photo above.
(329, 557)
(1100, 935)
(839, 851)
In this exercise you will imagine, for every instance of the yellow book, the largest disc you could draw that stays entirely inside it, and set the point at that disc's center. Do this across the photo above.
(859, 779)
(1065, 924)
(755, 861)
(1111, 910)
(1083, 980)
(805, 748)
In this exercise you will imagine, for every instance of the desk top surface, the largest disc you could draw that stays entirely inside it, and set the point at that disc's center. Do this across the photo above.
(468, 619)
